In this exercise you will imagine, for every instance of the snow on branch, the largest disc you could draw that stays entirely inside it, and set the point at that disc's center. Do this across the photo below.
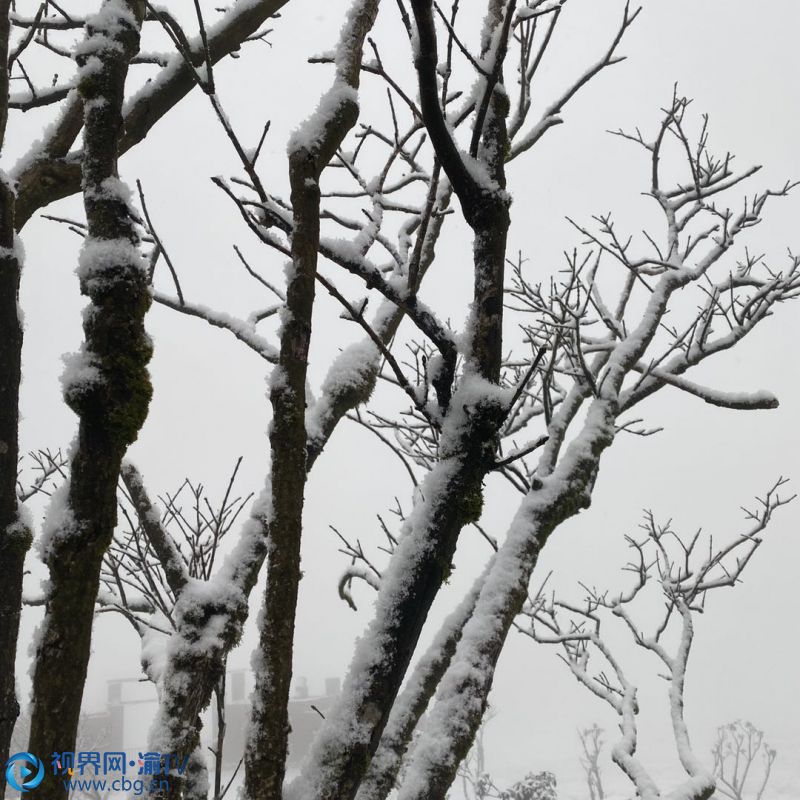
(160, 552)
(552, 115)
(683, 569)
(240, 23)
(735, 400)
(738, 747)
(243, 330)
(168, 554)
(359, 568)
(414, 700)
(49, 466)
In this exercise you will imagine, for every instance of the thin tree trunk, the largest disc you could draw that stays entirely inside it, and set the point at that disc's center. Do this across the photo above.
(15, 537)
(219, 746)
(5, 33)
(265, 755)
(309, 153)
(107, 386)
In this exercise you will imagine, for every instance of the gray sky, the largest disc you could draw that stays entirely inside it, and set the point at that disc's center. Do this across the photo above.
(739, 61)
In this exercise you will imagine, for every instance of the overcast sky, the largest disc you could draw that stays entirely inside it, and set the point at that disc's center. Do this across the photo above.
(740, 62)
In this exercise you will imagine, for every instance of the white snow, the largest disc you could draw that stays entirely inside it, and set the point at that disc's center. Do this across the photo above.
(81, 372)
(100, 260)
(349, 372)
(309, 134)
(59, 522)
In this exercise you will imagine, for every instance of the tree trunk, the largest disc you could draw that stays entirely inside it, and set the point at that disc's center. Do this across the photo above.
(412, 703)
(453, 499)
(560, 490)
(15, 537)
(107, 385)
(454, 490)
(265, 755)
(309, 153)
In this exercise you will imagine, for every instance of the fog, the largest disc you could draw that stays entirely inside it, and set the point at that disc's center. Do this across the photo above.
(739, 61)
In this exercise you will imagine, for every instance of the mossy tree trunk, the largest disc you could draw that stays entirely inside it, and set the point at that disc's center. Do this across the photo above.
(108, 387)
(467, 451)
(309, 153)
(15, 537)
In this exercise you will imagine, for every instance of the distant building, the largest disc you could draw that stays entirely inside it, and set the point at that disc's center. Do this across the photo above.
(306, 713)
(131, 703)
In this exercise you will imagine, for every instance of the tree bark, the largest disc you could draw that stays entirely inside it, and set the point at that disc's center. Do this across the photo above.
(15, 537)
(561, 490)
(309, 153)
(423, 560)
(5, 33)
(413, 702)
(107, 386)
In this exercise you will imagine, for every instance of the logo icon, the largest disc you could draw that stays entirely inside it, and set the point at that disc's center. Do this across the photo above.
(24, 772)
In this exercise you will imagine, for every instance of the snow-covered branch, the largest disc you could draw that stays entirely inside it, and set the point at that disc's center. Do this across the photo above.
(737, 748)
(684, 570)
(245, 331)
(49, 157)
(552, 116)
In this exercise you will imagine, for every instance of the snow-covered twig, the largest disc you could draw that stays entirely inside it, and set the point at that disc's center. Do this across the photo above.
(685, 570)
